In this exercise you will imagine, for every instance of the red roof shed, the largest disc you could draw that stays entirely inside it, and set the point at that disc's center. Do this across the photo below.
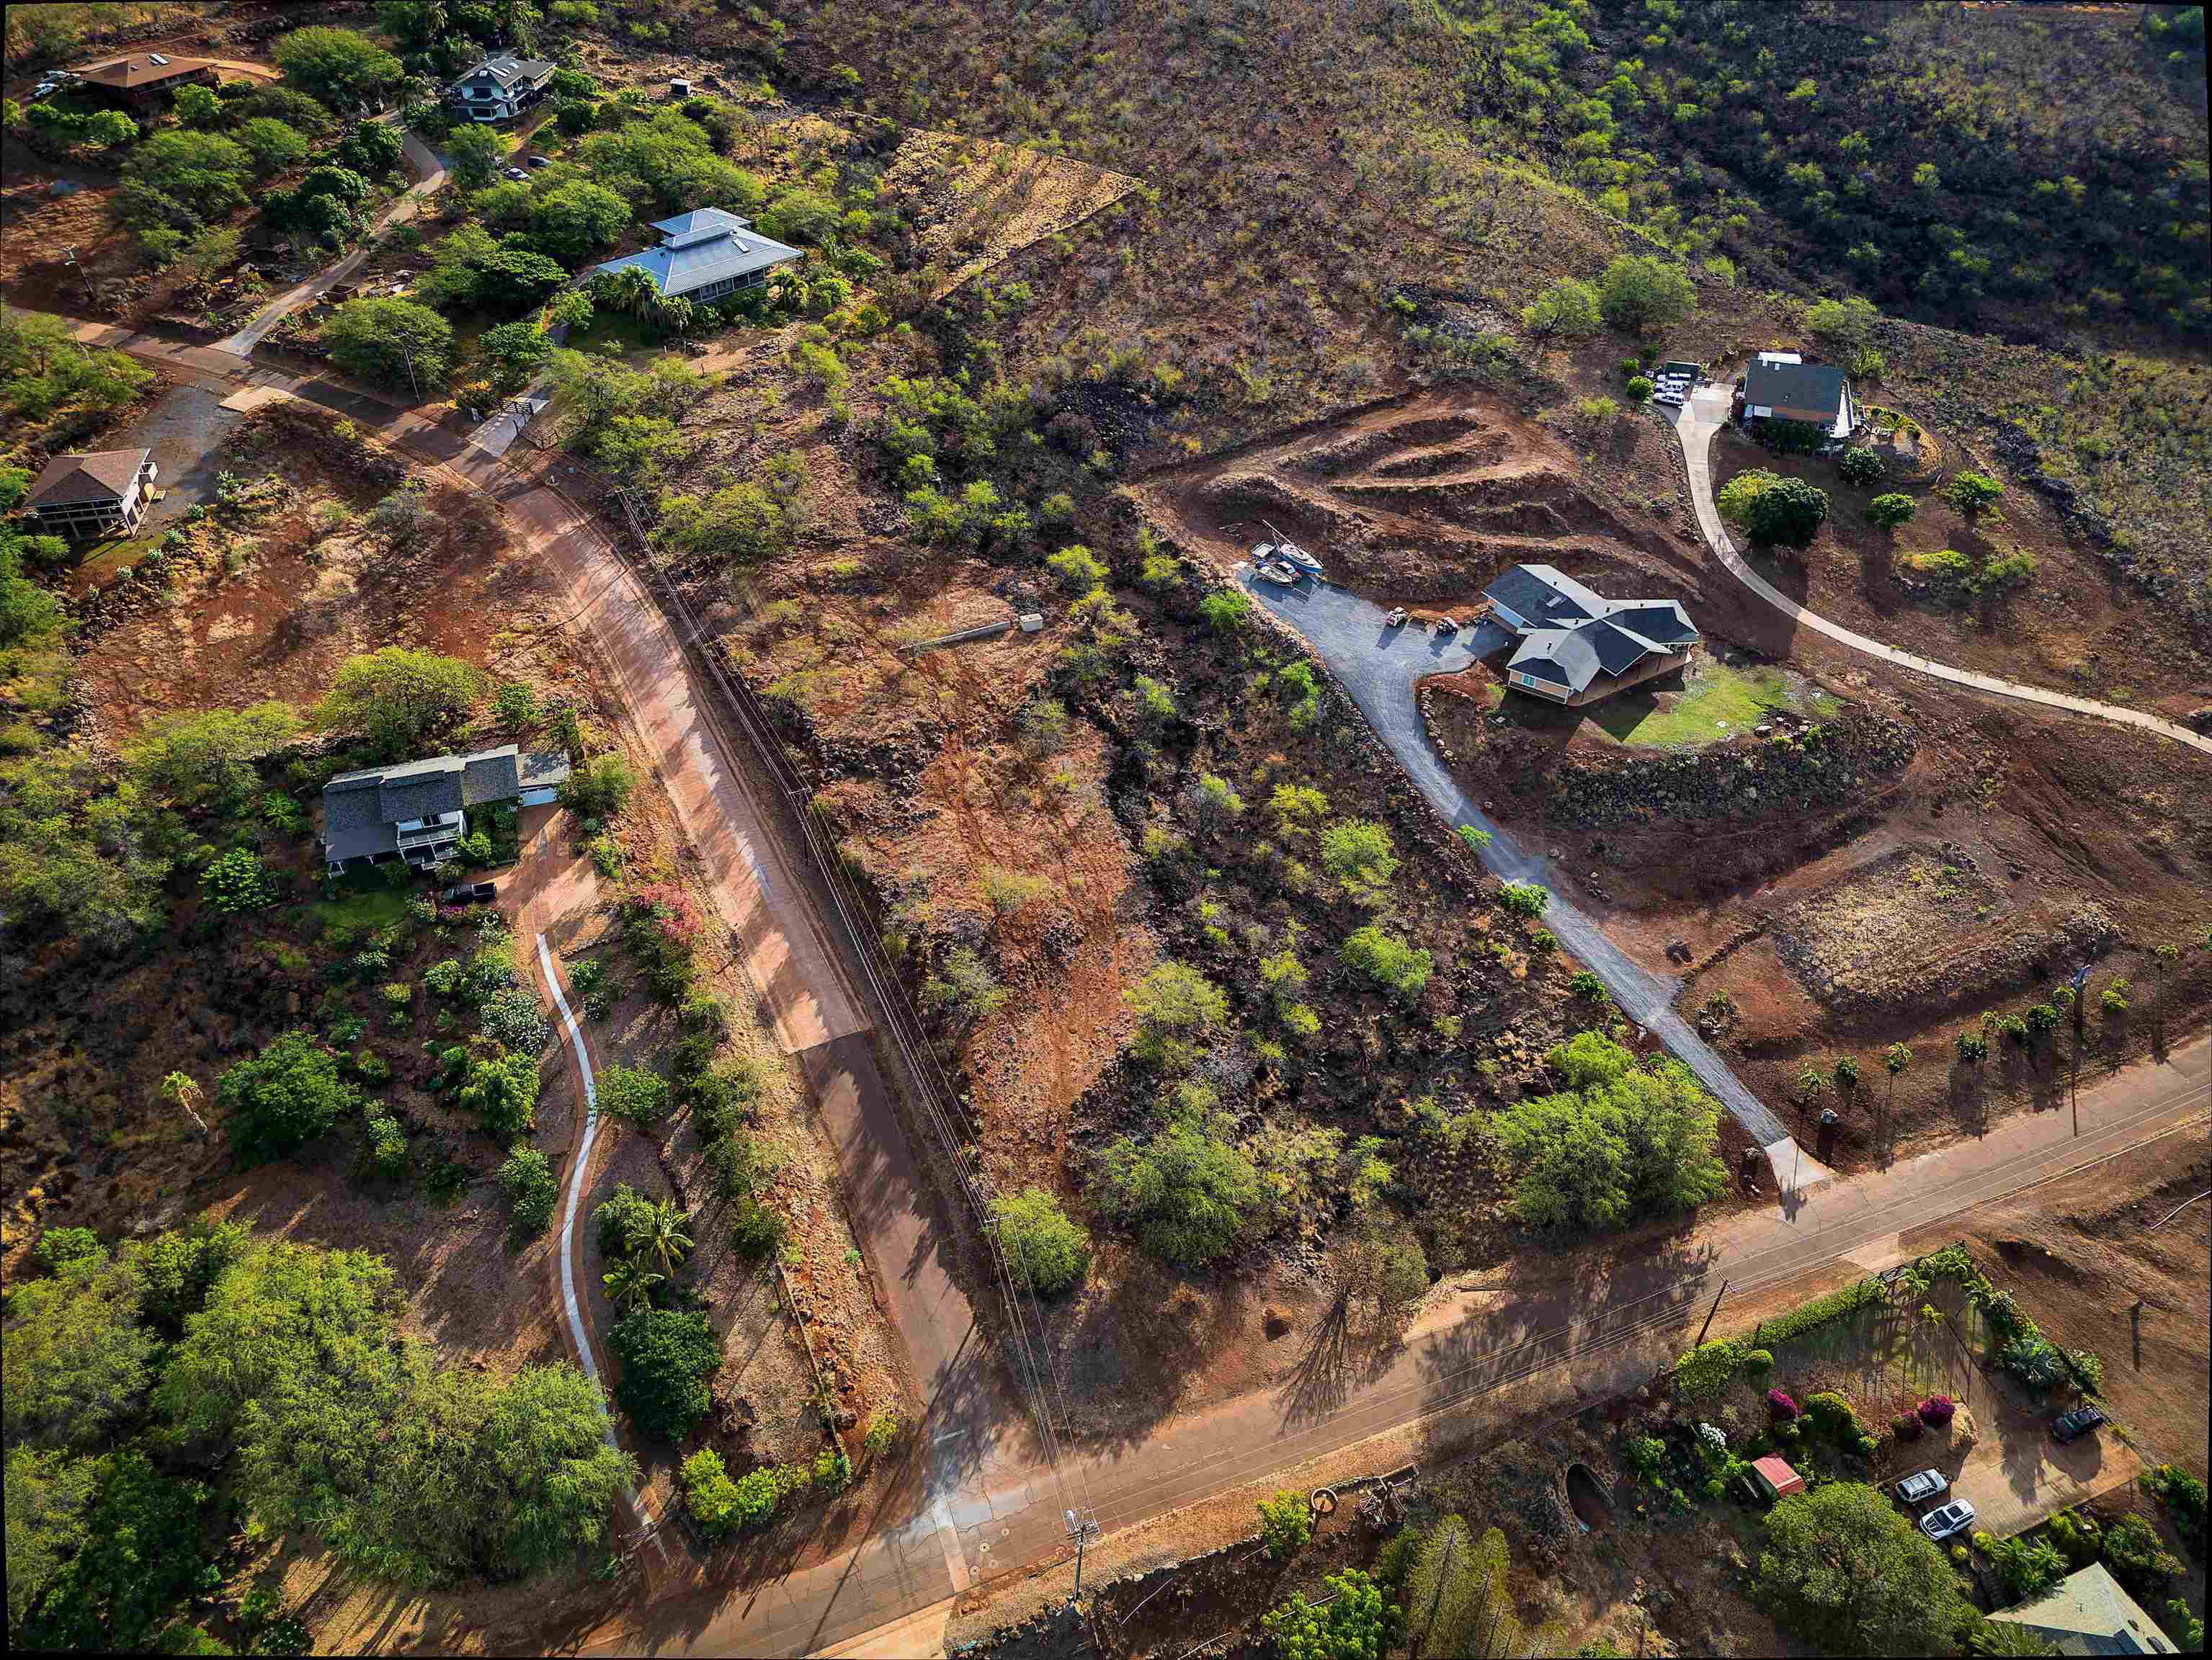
(1775, 1477)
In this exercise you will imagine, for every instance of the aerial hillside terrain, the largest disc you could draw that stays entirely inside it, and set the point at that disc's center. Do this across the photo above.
(776, 838)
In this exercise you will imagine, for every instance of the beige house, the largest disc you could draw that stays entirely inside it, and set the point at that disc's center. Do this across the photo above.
(2089, 1613)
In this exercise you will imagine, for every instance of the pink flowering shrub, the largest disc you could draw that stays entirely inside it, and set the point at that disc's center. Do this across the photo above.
(1779, 1403)
(1935, 1411)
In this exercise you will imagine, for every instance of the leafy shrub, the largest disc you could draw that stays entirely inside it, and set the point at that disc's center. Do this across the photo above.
(444, 979)
(2078, 1537)
(1526, 899)
(1638, 388)
(2182, 1495)
(1780, 1406)
(1831, 1415)
(1906, 1426)
(1774, 511)
(667, 1358)
(2132, 1551)
(1177, 1009)
(634, 1094)
(600, 788)
(286, 1096)
(1045, 1250)
(386, 1150)
(511, 1017)
(1192, 1193)
(1759, 1362)
(1225, 611)
(527, 1180)
(1360, 859)
(1389, 962)
(964, 986)
(1286, 1524)
(236, 882)
(2027, 1567)
(709, 1494)
(1890, 509)
(756, 1231)
(882, 1431)
(1859, 466)
(59, 1247)
(502, 1090)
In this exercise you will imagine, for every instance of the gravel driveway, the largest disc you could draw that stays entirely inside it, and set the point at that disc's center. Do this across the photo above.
(1381, 667)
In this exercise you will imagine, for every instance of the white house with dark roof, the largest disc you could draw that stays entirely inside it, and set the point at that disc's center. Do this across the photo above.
(1574, 645)
(707, 254)
(101, 494)
(1781, 385)
(500, 87)
(419, 809)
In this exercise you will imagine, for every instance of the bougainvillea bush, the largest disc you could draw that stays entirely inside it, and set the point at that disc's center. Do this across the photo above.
(1779, 1402)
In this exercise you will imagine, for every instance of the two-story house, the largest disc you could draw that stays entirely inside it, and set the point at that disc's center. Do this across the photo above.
(83, 496)
(500, 88)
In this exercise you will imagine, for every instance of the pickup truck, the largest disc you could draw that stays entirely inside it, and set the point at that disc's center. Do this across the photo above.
(468, 893)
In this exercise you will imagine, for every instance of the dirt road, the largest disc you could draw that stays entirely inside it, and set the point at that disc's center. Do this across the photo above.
(1704, 415)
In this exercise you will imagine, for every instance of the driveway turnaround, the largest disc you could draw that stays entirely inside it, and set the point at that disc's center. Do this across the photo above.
(1382, 667)
(1706, 413)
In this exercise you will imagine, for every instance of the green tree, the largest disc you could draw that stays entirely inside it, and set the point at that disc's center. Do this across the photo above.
(502, 1092)
(1847, 1572)
(273, 146)
(1841, 326)
(48, 1494)
(1972, 494)
(1177, 1009)
(527, 1180)
(206, 759)
(282, 1098)
(1568, 307)
(109, 128)
(1357, 1625)
(204, 173)
(1389, 961)
(636, 1095)
(1191, 1193)
(1047, 1250)
(629, 1284)
(510, 279)
(514, 352)
(667, 1359)
(551, 1474)
(1888, 511)
(372, 149)
(573, 220)
(78, 1363)
(1859, 466)
(196, 107)
(345, 71)
(708, 1493)
(1773, 510)
(1645, 294)
(395, 702)
(1456, 1600)
(1286, 1524)
(138, 1555)
(740, 524)
(1360, 857)
(1894, 1061)
(1620, 1142)
(390, 343)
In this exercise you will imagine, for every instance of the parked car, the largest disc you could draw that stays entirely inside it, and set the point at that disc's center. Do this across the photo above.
(1921, 1486)
(2072, 1425)
(1396, 619)
(535, 160)
(1955, 1518)
(513, 173)
(1447, 626)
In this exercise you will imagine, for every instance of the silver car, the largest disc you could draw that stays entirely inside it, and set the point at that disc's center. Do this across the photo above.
(1922, 1485)
(1955, 1518)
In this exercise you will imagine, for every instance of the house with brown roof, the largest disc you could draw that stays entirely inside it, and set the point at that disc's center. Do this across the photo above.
(137, 78)
(82, 496)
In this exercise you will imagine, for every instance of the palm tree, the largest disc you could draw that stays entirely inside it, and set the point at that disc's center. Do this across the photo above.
(1812, 1085)
(630, 1282)
(179, 1087)
(2008, 1638)
(664, 1237)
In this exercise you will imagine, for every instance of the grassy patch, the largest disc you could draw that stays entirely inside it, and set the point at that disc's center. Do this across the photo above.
(371, 905)
(1711, 693)
(631, 334)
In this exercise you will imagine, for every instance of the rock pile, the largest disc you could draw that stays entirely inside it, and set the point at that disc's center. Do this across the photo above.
(1823, 766)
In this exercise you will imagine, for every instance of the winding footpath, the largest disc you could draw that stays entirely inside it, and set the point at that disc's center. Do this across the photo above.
(1704, 414)
(1382, 668)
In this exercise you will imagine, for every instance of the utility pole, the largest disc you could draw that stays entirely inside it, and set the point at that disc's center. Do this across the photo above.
(1083, 1528)
(406, 357)
(1711, 1312)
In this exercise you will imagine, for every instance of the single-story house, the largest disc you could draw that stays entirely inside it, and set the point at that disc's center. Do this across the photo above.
(2089, 1612)
(1576, 646)
(1781, 385)
(706, 254)
(500, 87)
(102, 494)
(139, 77)
(419, 809)
(1774, 1477)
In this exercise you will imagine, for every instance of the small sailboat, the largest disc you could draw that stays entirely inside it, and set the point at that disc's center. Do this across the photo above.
(1299, 556)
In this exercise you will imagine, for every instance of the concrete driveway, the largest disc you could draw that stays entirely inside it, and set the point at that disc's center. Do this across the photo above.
(2017, 1476)
(1382, 668)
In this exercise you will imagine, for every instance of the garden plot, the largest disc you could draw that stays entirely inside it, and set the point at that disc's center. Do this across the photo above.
(1918, 928)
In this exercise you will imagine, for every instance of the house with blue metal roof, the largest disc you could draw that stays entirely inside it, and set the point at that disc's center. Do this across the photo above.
(1574, 645)
(707, 254)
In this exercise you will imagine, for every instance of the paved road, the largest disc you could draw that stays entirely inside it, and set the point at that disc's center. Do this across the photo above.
(1706, 413)
(429, 169)
(1382, 668)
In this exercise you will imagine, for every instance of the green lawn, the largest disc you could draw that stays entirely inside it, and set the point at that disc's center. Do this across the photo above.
(1685, 717)
(1711, 693)
(366, 902)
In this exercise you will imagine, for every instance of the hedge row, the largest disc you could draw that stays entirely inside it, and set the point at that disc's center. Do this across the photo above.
(1706, 1370)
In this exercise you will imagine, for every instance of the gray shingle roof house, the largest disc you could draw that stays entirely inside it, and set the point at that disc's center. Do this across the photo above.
(500, 87)
(2088, 1612)
(705, 254)
(1576, 646)
(1780, 385)
(92, 495)
(419, 809)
